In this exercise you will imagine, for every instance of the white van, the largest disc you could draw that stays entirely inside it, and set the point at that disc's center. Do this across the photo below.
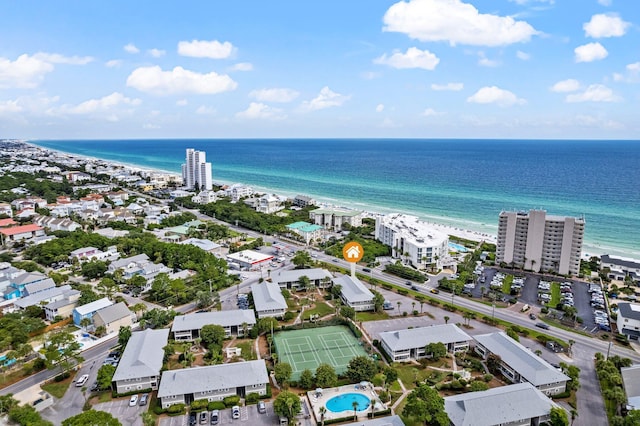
(82, 380)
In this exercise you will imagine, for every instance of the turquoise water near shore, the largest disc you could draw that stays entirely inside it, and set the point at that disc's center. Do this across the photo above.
(462, 183)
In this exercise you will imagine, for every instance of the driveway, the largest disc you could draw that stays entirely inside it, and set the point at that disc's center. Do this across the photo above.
(119, 408)
(248, 416)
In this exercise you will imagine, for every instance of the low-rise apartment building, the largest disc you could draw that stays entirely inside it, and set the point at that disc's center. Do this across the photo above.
(409, 344)
(628, 320)
(141, 362)
(333, 219)
(290, 279)
(268, 300)
(186, 328)
(213, 383)
(354, 294)
(518, 364)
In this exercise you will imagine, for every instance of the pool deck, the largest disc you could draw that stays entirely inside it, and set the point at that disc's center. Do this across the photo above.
(316, 401)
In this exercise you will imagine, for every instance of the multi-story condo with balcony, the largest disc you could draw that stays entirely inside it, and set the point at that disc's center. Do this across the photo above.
(196, 172)
(539, 242)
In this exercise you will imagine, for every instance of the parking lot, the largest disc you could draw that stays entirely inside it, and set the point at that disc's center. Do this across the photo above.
(119, 408)
(248, 416)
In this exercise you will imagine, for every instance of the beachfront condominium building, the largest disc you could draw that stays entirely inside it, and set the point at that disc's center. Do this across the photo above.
(196, 172)
(413, 240)
(539, 242)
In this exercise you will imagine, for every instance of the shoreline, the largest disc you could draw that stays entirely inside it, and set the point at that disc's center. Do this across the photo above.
(461, 231)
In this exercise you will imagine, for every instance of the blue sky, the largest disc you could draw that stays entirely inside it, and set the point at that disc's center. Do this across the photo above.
(566, 69)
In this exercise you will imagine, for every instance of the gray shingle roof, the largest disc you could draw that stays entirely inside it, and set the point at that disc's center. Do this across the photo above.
(422, 336)
(295, 274)
(113, 313)
(631, 380)
(534, 369)
(94, 306)
(224, 318)
(497, 406)
(625, 310)
(214, 377)
(121, 263)
(352, 289)
(29, 277)
(39, 286)
(34, 299)
(394, 420)
(143, 354)
(605, 258)
(267, 297)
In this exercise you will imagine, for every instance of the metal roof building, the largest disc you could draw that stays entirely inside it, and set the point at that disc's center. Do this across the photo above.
(268, 300)
(141, 362)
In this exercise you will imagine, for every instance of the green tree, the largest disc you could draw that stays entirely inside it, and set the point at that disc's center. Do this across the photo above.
(302, 259)
(558, 417)
(287, 404)
(212, 334)
(94, 269)
(361, 368)
(283, 373)
(203, 299)
(85, 322)
(378, 301)
(425, 405)
(306, 379)
(355, 405)
(436, 350)
(62, 349)
(124, 334)
(105, 376)
(478, 385)
(326, 376)
(92, 418)
(7, 402)
(27, 415)
(348, 312)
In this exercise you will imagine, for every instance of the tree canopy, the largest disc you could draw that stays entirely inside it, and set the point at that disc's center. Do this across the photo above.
(426, 405)
(283, 373)
(361, 368)
(92, 418)
(287, 404)
(326, 376)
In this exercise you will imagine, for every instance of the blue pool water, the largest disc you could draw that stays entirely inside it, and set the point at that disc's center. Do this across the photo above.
(344, 402)
(457, 247)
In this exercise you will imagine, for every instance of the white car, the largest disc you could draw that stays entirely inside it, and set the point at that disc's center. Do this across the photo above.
(133, 401)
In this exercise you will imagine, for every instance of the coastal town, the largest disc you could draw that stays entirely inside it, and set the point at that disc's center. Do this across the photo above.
(143, 297)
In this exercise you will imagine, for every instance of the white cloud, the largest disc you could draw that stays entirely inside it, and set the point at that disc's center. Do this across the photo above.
(604, 2)
(151, 126)
(156, 53)
(594, 93)
(455, 22)
(177, 81)
(56, 58)
(7, 107)
(495, 95)
(486, 62)
(274, 95)
(523, 2)
(258, 110)
(114, 63)
(205, 49)
(635, 67)
(455, 87)
(569, 85)
(413, 58)
(388, 123)
(605, 25)
(182, 102)
(522, 55)
(104, 104)
(242, 66)
(325, 99)
(602, 122)
(430, 112)
(205, 110)
(26, 72)
(131, 48)
(590, 52)
(379, 108)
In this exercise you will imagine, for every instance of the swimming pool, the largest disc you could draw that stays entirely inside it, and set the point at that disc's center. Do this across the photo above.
(345, 401)
(458, 247)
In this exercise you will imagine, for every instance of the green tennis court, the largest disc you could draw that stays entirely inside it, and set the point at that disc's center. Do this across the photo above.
(306, 349)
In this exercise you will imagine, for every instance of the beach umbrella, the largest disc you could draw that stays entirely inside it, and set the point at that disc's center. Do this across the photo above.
(364, 383)
(318, 390)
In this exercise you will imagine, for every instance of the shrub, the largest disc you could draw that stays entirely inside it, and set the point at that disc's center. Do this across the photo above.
(199, 405)
(176, 409)
(216, 405)
(404, 314)
(415, 313)
(288, 316)
(232, 400)
(487, 377)
(252, 398)
(157, 410)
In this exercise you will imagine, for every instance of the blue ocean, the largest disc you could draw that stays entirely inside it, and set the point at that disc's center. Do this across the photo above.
(462, 183)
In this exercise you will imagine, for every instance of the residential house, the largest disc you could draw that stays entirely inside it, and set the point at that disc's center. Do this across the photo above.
(409, 344)
(619, 268)
(205, 197)
(110, 232)
(354, 294)
(7, 223)
(118, 195)
(63, 307)
(213, 383)
(128, 262)
(268, 300)
(56, 224)
(269, 204)
(88, 254)
(631, 382)
(520, 404)
(206, 245)
(113, 317)
(5, 209)
(44, 297)
(518, 364)
(21, 233)
(187, 327)
(88, 310)
(290, 279)
(38, 286)
(76, 176)
(141, 362)
(628, 320)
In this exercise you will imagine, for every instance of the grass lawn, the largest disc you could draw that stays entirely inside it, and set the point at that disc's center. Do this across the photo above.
(371, 316)
(555, 295)
(57, 389)
(248, 352)
(408, 374)
(104, 396)
(321, 309)
(506, 284)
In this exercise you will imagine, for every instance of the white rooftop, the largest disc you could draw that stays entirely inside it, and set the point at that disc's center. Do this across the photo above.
(294, 275)
(267, 297)
(93, 306)
(422, 336)
(414, 228)
(224, 318)
(249, 256)
(352, 289)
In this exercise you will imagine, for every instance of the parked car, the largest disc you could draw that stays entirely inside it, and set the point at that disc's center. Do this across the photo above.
(532, 316)
(203, 418)
(366, 270)
(408, 283)
(133, 401)
(215, 417)
(143, 398)
(193, 420)
(262, 407)
(235, 412)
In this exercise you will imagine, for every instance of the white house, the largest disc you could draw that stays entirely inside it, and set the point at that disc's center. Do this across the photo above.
(290, 279)
(87, 254)
(335, 218)
(354, 293)
(409, 344)
(620, 268)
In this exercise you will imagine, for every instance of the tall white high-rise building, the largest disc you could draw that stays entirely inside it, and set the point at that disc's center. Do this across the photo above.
(537, 242)
(196, 172)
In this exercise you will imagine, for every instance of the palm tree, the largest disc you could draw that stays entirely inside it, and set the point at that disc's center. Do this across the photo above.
(446, 319)
(371, 404)
(421, 305)
(399, 303)
(245, 329)
(574, 414)
(355, 405)
(322, 411)
(84, 323)
(413, 306)
(571, 343)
